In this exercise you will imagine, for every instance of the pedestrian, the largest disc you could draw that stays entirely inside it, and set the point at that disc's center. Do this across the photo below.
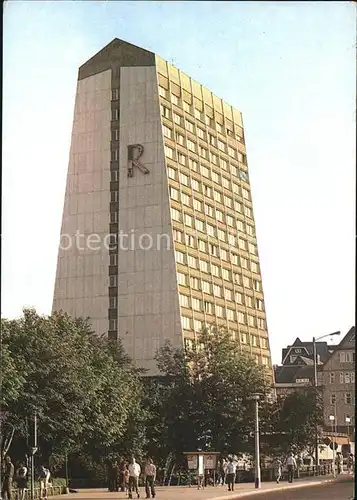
(278, 469)
(291, 466)
(134, 474)
(150, 477)
(22, 481)
(44, 480)
(350, 463)
(7, 480)
(339, 462)
(223, 470)
(231, 474)
(126, 478)
(121, 469)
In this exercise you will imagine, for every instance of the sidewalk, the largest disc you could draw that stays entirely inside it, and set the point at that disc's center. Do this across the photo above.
(192, 493)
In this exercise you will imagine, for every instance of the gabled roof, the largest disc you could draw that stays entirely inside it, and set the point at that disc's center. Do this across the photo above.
(288, 374)
(348, 342)
(322, 350)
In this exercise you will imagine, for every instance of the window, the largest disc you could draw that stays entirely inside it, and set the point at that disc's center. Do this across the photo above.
(225, 182)
(213, 158)
(197, 205)
(243, 175)
(181, 159)
(184, 179)
(231, 239)
(181, 279)
(252, 249)
(342, 378)
(264, 343)
(114, 196)
(251, 320)
(254, 339)
(113, 281)
(195, 283)
(196, 304)
(213, 249)
(250, 229)
(241, 318)
(115, 135)
(113, 324)
(202, 245)
(228, 201)
(180, 139)
(230, 221)
(180, 257)
(230, 314)
(243, 337)
(215, 177)
(210, 230)
(224, 254)
(188, 220)
(184, 301)
(245, 194)
(235, 259)
(206, 286)
(217, 291)
(347, 357)
(115, 94)
(165, 111)
(239, 298)
(200, 133)
(115, 114)
(348, 398)
(197, 325)
(332, 377)
(332, 399)
(244, 263)
(168, 132)
(214, 270)
(203, 152)
(189, 125)
(217, 196)
(228, 294)
(226, 274)
(198, 114)
(176, 215)
(209, 210)
(114, 217)
(234, 170)
(235, 188)
(113, 302)
(224, 164)
(207, 191)
(237, 207)
(204, 266)
(186, 322)
(231, 152)
(248, 211)
(177, 119)
(249, 301)
(114, 155)
(178, 235)
(208, 307)
(113, 259)
(169, 152)
(259, 304)
(174, 194)
(186, 200)
(246, 282)
(114, 175)
(240, 225)
(193, 164)
(195, 185)
(199, 225)
(174, 99)
(204, 171)
(190, 240)
(254, 267)
(191, 145)
(221, 145)
(172, 173)
(257, 285)
(219, 311)
(163, 92)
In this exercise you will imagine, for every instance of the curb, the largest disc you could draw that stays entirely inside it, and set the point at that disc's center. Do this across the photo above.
(270, 490)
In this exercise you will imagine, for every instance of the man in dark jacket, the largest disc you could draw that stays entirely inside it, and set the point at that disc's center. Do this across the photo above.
(8, 478)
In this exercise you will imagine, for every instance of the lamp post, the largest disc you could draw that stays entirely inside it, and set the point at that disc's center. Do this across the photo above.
(33, 451)
(348, 421)
(333, 425)
(314, 340)
(256, 398)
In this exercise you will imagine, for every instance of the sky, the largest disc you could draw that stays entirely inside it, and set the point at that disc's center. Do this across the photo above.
(288, 66)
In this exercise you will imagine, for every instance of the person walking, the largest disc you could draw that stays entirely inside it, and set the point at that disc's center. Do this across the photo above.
(44, 480)
(231, 474)
(291, 466)
(134, 474)
(150, 477)
(22, 481)
(6, 488)
(278, 469)
(223, 470)
(350, 463)
(339, 462)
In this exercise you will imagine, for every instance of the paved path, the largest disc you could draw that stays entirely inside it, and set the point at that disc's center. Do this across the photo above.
(209, 493)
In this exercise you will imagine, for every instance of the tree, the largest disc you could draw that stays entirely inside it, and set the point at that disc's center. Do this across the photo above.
(84, 389)
(206, 401)
(290, 421)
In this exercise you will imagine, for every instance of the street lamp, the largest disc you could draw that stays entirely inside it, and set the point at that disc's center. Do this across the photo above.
(333, 422)
(314, 340)
(256, 398)
(348, 421)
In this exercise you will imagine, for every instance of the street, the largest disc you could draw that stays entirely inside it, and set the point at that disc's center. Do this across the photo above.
(342, 490)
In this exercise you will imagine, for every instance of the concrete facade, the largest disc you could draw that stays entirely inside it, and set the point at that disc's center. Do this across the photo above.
(183, 250)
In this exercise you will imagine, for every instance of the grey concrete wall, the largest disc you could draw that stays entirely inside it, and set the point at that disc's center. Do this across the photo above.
(148, 312)
(81, 286)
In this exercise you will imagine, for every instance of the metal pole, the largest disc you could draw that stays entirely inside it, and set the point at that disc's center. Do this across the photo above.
(33, 451)
(257, 454)
(333, 448)
(316, 430)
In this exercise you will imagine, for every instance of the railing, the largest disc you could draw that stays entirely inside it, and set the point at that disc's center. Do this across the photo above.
(51, 491)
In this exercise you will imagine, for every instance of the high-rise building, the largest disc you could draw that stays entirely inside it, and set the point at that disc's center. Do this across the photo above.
(158, 234)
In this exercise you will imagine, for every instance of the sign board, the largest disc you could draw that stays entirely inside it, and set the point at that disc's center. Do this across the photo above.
(302, 380)
(210, 462)
(192, 462)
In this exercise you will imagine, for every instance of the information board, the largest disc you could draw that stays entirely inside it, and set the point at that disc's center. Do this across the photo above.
(192, 461)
